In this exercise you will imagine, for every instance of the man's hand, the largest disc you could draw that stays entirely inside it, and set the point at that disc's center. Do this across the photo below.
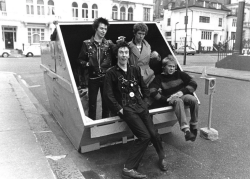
(179, 94)
(171, 98)
(154, 54)
(120, 39)
(83, 92)
(175, 95)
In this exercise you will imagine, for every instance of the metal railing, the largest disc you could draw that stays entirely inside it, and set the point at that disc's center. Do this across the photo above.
(228, 48)
(225, 49)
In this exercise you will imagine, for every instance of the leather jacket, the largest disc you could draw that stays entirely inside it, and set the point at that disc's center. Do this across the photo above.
(97, 56)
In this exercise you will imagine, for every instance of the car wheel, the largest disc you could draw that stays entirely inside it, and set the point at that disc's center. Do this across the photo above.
(193, 54)
(5, 55)
(29, 54)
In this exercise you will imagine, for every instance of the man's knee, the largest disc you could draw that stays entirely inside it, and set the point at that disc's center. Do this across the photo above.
(193, 101)
(190, 100)
(178, 102)
(145, 138)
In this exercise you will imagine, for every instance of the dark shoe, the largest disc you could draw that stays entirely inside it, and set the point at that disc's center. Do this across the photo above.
(130, 174)
(163, 165)
(194, 130)
(189, 136)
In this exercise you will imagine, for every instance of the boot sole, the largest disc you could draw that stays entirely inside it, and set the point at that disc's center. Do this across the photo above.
(127, 177)
(191, 139)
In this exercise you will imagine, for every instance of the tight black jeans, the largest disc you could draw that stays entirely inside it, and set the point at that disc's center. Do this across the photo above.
(93, 87)
(142, 126)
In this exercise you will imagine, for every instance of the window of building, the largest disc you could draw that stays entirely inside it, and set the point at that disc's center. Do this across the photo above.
(169, 22)
(35, 35)
(51, 7)
(219, 6)
(130, 14)
(84, 10)
(233, 35)
(204, 19)
(114, 12)
(122, 13)
(29, 7)
(234, 11)
(75, 10)
(206, 35)
(168, 34)
(234, 23)
(94, 11)
(183, 3)
(220, 22)
(169, 6)
(2, 5)
(146, 14)
(40, 7)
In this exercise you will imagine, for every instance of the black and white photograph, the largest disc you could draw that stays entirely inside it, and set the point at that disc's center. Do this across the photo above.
(134, 89)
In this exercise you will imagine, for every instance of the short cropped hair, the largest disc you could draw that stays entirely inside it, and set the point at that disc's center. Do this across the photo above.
(98, 21)
(168, 59)
(140, 27)
(119, 45)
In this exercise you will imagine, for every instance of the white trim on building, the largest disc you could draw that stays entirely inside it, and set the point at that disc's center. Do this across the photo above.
(26, 22)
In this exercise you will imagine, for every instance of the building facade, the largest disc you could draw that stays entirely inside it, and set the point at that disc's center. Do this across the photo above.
(232, 20)
(209, 23)
(27, 22)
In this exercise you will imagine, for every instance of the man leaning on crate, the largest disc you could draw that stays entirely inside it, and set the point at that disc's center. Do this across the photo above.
(122, 83)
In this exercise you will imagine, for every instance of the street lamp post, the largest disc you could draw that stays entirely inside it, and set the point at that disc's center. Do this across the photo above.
(175, 36)
(191, 28)
(185, 44)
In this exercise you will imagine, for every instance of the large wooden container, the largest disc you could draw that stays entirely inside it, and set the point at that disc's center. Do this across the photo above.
(59, 65)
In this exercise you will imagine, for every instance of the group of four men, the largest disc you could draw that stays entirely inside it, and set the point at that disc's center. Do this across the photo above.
(126, 87)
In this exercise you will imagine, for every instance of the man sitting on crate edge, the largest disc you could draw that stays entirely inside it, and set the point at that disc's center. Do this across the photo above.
(122, 83)
(175, 88)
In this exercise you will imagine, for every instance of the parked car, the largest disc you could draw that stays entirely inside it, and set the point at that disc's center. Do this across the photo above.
(5, 53)
(31, 51)
(189, 50)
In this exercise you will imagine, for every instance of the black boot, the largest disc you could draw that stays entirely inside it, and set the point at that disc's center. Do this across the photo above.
(194, 130)
(189, 135)
(163, 164)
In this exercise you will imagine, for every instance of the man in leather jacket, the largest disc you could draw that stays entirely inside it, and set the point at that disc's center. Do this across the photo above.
(95, 56)
(122, 84)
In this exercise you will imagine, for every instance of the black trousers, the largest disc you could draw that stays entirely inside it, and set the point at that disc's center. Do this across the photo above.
(93, 87)
(141, 124)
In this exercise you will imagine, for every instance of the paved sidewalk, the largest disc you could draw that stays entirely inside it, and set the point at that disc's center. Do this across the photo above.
(219, 72)
(29, 149)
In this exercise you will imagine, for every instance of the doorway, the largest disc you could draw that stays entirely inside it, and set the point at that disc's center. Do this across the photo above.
(9, 41)
(9, 34)
(215, 38)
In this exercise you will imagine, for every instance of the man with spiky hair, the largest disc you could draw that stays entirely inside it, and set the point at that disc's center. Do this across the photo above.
(95, 58)
(122, 94)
